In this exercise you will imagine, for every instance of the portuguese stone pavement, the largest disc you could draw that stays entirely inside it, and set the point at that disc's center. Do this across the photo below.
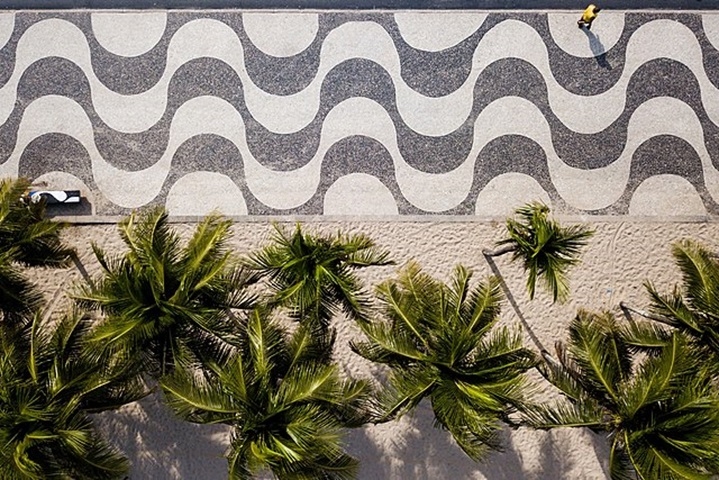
(364, 112)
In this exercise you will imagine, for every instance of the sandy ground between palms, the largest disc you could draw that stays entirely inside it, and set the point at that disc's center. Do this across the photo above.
(619, 258)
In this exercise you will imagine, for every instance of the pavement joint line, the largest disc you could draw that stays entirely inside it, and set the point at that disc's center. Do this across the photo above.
(353, 10)
(349, 219)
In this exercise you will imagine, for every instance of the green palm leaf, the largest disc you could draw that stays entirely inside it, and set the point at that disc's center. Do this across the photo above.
(164, 303)
(23, 226)
(26, 239)
(546, 249)
(660, 412)
(284, 400)
(49, 383)
(314, 276)
(439, 342)
(692, 308)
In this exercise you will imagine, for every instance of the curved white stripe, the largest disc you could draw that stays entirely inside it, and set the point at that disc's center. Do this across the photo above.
(581, 42)
(429, 116)
(436, 31)
(202, 193)
(506, 192)
(128, 34)
(710, 24)
(583, 189)
(276, 189)
(359, 194)
(7, 25)
(281, 34)
(666, 195)
(592, 114)
(597, 188)
(56, 114)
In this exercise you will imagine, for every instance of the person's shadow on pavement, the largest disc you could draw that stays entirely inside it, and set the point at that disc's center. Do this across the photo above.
(595, 45)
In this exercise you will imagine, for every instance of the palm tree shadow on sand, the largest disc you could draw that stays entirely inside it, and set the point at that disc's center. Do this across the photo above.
(515, 306)
(161, 446)
(421, 451)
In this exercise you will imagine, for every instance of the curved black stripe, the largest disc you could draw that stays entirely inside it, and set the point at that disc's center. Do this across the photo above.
(287, 152)
(663, 154)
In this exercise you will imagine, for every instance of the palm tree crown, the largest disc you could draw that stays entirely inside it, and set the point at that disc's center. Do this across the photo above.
(284, 399)
(661, 415)
(440, 343)
(48, 385)
(314, 275)
(545, 248)
(23, 227)
(692, 308)
(168, 304)
(26, 239)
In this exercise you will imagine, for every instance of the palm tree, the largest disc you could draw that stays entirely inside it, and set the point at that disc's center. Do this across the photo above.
(440, 344)
(18, 296)
(26, 239)
(314, 276)
(660, 413)
(166, 303)
(545, 248)
(48, 386)
(282, 397)
(692, 308)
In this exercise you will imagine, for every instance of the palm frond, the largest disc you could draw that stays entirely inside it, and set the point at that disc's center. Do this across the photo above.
(585, 413)
(673, 310)
(439, 343)
(197, 400)
(600, 354)
(169, 304)
(313, 275)
(23, 227)
(546, 249)
(700, 275)
(285, 402)
(49, 384)
(644, 336)
(18, 296)
(406, 388)
(660, 413)
(474, 429)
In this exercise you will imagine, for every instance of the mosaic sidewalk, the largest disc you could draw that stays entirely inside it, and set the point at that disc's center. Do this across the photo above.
(365, 113)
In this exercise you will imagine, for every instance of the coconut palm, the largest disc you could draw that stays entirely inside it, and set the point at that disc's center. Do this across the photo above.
(18, 296)
(48, 386)
(440, 344)
(546, 249)
(314, 275)
(27, 238)
(167, 303)
(284, 400)
(660, 414)
(23, 226)
(692, 308)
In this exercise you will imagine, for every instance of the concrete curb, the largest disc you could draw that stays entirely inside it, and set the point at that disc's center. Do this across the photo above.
(354, 4)
(112, 219)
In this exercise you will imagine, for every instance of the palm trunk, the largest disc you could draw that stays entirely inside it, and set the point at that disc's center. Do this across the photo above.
(548, 358)
(507, 293)
(645, 314)
(81, 268)
(496, 253)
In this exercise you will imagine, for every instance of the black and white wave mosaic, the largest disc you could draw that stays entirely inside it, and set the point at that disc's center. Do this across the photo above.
(364, 113)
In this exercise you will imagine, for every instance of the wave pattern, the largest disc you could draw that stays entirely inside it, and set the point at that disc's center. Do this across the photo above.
(365, 113)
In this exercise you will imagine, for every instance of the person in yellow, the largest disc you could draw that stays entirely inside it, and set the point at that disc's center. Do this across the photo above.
(590, 13)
